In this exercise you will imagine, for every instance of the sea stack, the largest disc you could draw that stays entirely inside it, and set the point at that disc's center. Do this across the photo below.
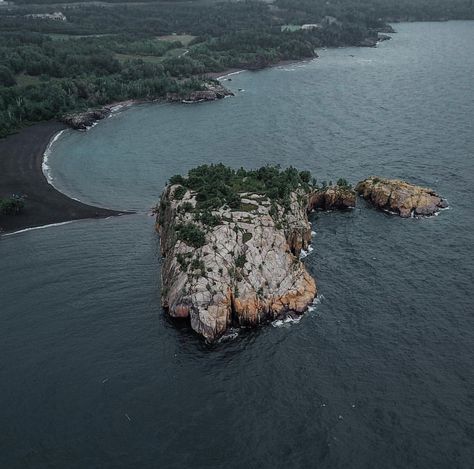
(400, 197)
(231, 243)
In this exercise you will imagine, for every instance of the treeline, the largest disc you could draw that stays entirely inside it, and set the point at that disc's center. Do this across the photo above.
(37, 55)
(23, 105)
(217, 185)
(112, 52)
(196, 18)
(372, 11)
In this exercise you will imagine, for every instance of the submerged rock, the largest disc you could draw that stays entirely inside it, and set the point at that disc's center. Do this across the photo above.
(400, 197)
(236, 266)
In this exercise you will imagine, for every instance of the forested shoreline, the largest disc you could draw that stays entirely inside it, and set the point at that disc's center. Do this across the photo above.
(91, 55)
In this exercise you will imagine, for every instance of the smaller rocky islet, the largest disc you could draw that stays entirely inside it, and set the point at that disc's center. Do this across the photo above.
(231, 240)
(400, 198)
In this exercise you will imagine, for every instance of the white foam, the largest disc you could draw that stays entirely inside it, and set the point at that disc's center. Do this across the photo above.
(230, 74)
(231, 334)
(45, 164)
(313, 233)
(304, 253)
(119, 106)
(39, 227)
(89, 127)
(288, 320)
(47, 153)
(317, 301)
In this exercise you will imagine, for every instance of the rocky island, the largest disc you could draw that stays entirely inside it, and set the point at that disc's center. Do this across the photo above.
(399, 197)
(231, 242)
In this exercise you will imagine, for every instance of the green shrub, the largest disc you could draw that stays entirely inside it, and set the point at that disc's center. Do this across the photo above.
(186, 207)
(341, 182)
(208, 219)
(176, 179)
(179, 192)
(12, 206)
(197, 264)
(183, 260)
(240, 261)
(218, 185)
(191, 235)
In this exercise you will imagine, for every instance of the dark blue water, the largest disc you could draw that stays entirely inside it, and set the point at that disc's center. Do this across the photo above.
(381, 375)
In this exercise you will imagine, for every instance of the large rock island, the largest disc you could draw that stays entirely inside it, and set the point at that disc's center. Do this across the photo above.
(399, 197)
(231, 242)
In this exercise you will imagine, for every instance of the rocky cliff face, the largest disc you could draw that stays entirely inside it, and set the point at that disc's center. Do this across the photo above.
(237, 266)
(339, 197)
(400, 197)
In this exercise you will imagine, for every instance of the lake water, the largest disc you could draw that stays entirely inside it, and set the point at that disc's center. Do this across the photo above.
(380, 375)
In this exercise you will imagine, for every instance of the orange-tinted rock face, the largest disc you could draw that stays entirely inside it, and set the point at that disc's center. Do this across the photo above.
(400, 197)
(332, 198)
(247, 272)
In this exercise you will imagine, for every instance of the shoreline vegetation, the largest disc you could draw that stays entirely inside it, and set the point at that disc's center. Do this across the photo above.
(55, 66)
(57, 59)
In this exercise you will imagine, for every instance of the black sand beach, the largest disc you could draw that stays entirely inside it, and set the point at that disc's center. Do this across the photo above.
(21, 157)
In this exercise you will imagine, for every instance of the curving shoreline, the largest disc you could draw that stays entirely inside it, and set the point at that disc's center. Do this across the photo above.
(21, 172)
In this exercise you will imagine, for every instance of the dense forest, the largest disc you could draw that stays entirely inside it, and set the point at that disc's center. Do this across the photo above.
(98, 54)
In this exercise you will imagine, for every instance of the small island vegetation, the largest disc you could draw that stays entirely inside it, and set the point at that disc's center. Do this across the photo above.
(217, 185)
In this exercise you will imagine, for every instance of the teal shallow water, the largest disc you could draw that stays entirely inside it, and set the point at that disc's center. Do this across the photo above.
(380, 375)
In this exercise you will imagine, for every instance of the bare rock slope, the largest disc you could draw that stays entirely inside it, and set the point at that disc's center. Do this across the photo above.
(400, 197)
(232, 257)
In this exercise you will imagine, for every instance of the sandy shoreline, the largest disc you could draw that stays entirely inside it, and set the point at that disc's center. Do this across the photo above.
(235, 71)
(22, 165)
(21, 160)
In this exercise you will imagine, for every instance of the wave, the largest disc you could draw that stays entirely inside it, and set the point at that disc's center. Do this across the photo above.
(304, 253)
(230, 74)
(290, 319)
(47, 153)
(317, 301)
(231, 334)
(39, 227)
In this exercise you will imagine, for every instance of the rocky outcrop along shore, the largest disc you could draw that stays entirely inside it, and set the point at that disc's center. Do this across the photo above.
(213, 91)
(339, 197)
(399, 197)
(85, 120)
